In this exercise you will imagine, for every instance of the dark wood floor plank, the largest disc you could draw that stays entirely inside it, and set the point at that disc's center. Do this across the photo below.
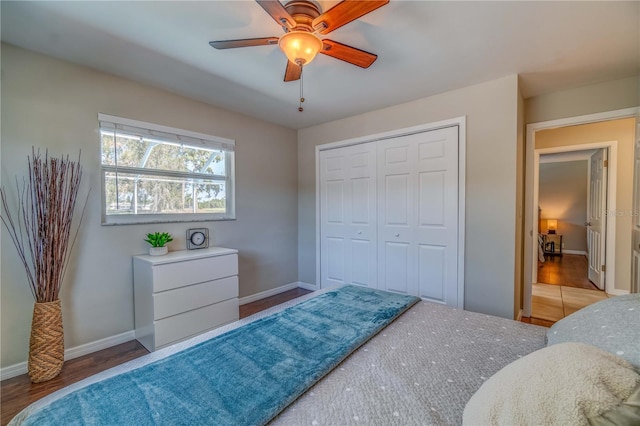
(262, 304)
(570, 270)
(538, 321)
(18, 392)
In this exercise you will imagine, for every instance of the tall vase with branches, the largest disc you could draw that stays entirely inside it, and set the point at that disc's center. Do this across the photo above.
(41, 229)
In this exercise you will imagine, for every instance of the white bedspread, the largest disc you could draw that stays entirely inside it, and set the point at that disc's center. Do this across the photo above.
(421, 370)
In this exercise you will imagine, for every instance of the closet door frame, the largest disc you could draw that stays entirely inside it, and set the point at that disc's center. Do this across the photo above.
(458, 121)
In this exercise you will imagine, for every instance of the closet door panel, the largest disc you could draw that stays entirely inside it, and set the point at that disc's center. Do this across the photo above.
(334, 194)
(396, 182)
(437, 212)
(362, 192)
(431, 193)
(432, 271)
(396, 261)
(362, 262)
(335, 260)
(398, 196)
(362, 219)
(335, 202)
(347, 216)
(418, 209)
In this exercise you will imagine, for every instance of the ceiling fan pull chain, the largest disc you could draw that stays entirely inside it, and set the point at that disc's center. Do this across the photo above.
(301, 90)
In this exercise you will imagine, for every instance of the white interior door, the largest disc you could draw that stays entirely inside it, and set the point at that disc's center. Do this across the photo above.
(635, 279)
(347, 215)
(418, 214)
(596, 219)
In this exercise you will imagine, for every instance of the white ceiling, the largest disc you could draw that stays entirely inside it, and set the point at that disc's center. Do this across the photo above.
(424, 48)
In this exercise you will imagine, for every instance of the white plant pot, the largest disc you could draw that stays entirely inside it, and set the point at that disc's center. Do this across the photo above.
(158, 251)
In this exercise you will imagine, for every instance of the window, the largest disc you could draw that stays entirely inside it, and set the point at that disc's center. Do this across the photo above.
(154, 173)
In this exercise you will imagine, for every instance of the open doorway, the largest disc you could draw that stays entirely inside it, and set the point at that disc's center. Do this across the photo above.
(572, 193)
(567, 209)
(600, 134)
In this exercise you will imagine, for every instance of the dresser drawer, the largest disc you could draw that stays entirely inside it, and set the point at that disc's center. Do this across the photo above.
(179, 327)
(174, 275)
(195, 296)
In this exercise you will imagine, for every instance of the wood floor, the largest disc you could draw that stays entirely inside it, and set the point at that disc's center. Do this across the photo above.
(563, 288)
(18, 392)
(262, 304)
(569, 270)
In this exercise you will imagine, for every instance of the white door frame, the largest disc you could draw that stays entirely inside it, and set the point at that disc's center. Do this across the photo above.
(531, 191)
(458, 121)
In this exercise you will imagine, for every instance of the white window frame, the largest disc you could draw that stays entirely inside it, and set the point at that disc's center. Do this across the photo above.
(185, 137)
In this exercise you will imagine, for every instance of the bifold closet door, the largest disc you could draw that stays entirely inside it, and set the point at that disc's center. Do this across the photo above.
(418, 215)
(348, 216)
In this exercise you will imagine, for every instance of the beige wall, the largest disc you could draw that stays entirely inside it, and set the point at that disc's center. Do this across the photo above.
(54, 104)
(562, 195)
(621, 131)
(519, 242)
(607, 96)
(491, 111)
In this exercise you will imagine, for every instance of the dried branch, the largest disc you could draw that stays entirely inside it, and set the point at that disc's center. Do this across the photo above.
(41, 228)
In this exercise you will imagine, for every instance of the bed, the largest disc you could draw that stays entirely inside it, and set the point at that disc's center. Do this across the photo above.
(421, 369)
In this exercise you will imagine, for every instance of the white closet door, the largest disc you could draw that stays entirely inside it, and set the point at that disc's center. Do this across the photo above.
(418, 215)
(347, 216)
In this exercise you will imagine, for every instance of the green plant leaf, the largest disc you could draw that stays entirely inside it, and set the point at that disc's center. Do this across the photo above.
(158, 239)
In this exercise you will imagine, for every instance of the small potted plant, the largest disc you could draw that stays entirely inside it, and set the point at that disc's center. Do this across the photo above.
(158, 241)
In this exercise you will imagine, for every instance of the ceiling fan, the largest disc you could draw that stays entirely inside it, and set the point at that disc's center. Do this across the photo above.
(301, 20)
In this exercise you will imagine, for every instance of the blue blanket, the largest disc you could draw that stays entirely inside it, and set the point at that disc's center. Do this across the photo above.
(243, 377)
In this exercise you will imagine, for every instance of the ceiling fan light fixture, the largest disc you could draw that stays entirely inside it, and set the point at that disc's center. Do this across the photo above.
(300, 46)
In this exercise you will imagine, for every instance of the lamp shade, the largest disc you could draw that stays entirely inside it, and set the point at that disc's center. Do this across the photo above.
(552, 225)
(300, 46)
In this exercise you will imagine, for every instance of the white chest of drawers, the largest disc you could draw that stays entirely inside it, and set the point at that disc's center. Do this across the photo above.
(184, 293)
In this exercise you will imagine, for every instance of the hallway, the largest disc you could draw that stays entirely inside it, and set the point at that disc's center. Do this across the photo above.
(569, 270)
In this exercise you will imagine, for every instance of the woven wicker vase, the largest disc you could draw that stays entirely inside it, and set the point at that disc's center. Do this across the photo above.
(46, 346)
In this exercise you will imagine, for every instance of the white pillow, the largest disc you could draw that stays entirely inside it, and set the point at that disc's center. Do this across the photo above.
(567, 383)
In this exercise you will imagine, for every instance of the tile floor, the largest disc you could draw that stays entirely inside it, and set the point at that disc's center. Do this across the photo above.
(554, 302)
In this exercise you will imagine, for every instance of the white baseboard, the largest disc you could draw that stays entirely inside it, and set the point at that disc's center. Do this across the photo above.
(267, 293)
(307, 286)
(617, 292)
(274, 291)
(13, 370)
(71, 353)
(99, 345)
(584, 253)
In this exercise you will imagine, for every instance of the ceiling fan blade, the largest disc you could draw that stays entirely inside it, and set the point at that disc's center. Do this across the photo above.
(343, 13)
(277, 11)
(293, 72)
(244, 42)
(348, 54)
